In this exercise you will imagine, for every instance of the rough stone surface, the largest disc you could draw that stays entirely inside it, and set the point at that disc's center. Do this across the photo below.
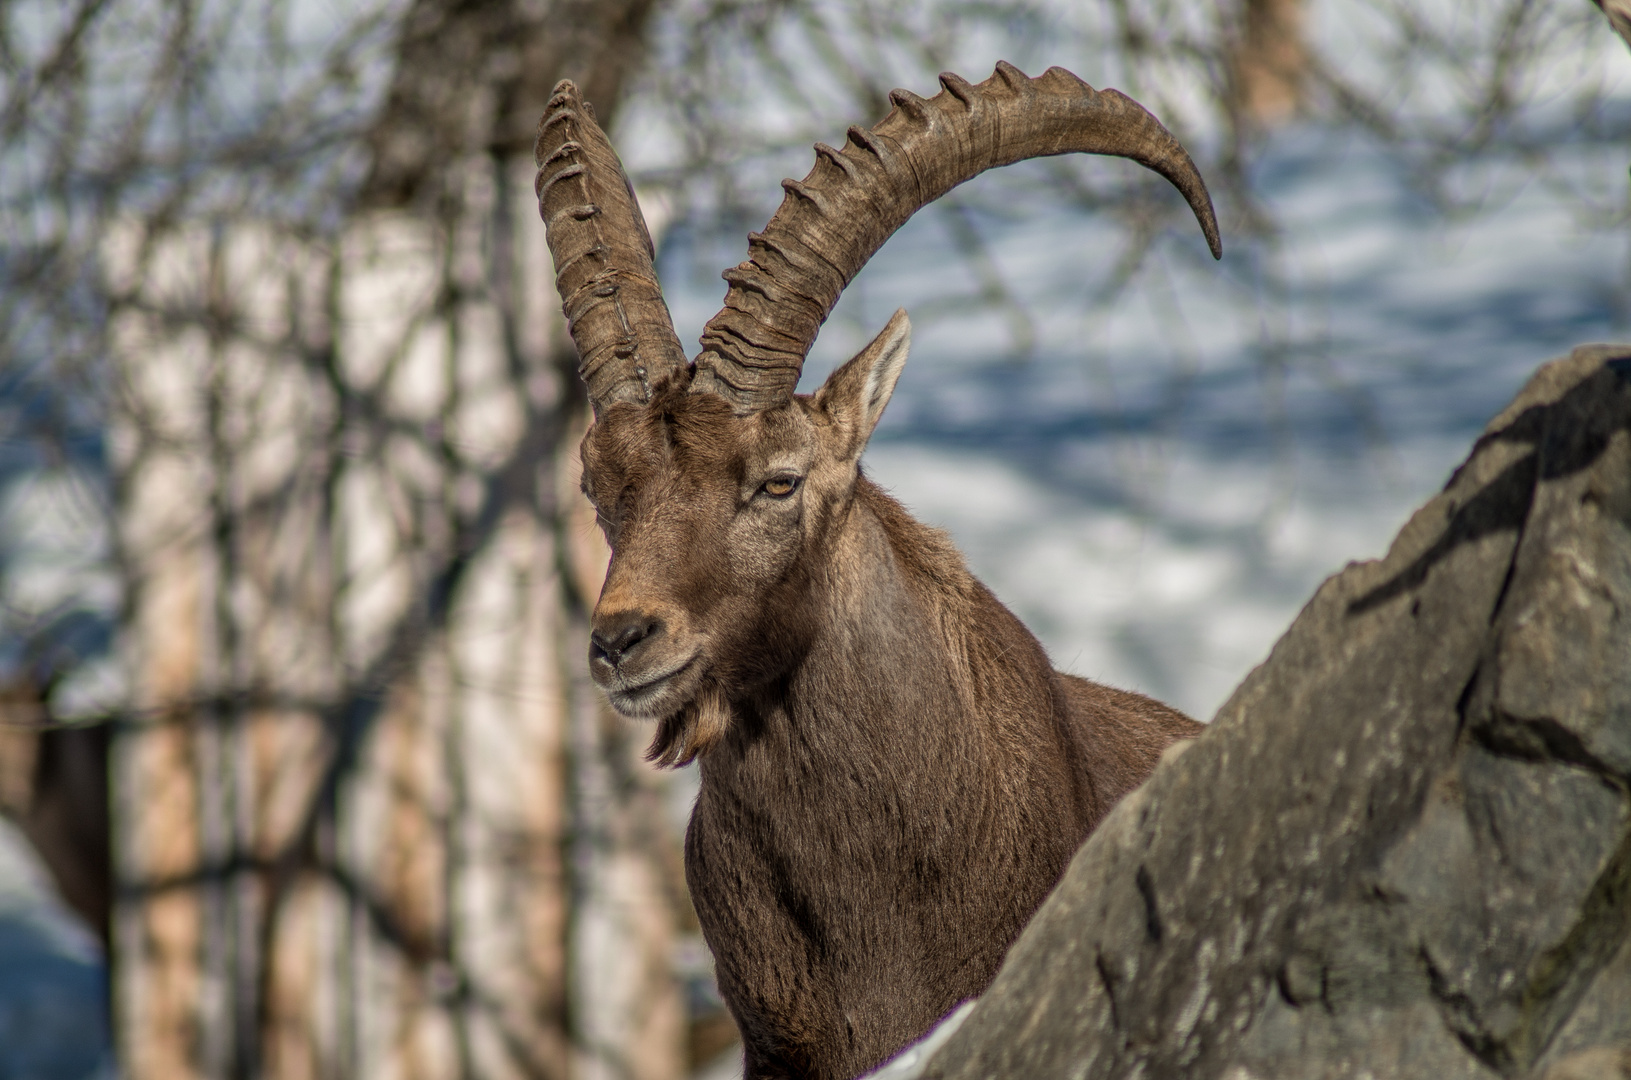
(1404, 846)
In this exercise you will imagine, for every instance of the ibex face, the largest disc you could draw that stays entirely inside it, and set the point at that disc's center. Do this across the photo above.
(719, 525)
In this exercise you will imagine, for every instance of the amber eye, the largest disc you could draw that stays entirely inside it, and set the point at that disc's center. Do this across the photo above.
(780, 487)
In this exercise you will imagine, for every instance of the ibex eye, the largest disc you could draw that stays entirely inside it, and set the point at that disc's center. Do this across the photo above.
(780, 487)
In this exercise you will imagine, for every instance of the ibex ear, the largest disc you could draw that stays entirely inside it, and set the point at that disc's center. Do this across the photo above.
(856, 393)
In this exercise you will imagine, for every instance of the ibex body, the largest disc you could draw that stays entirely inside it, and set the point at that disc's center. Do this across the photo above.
(893, 775)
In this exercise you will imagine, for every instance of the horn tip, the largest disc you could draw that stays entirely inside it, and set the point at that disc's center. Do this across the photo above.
(1214, 242)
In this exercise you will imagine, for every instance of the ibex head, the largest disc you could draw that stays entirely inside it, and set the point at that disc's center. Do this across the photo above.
(721, 492)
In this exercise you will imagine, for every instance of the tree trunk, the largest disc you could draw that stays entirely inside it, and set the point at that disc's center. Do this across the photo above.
(1270, 61)
(363, 809)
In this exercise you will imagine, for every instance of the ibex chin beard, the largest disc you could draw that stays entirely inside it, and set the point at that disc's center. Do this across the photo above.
(693, 730)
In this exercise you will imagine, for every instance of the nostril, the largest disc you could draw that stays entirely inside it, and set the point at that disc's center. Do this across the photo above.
(621, 636)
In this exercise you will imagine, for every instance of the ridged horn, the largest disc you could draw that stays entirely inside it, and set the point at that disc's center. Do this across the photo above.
(831, 222)
(603, 255)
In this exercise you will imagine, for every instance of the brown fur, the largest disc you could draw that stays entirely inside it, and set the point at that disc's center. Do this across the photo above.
(893, 775)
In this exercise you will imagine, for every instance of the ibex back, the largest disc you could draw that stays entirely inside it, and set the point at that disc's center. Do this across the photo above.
(893, 775)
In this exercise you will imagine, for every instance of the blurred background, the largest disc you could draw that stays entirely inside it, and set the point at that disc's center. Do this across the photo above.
(301, 774)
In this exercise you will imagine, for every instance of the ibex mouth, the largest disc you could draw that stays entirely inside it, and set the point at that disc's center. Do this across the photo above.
(646, 696)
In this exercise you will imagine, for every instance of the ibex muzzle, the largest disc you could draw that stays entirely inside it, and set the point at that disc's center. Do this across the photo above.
(893, 775)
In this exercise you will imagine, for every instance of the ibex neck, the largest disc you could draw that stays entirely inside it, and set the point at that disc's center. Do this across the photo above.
(902, 605)
(910, 642)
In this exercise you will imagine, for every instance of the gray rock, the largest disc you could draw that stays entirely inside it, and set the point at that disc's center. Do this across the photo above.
(1404, 846)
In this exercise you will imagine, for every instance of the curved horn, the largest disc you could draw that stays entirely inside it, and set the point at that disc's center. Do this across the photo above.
(831, 222)
(614, 307)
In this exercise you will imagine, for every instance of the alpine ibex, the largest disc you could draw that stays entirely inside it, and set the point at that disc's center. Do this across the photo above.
(893, 775)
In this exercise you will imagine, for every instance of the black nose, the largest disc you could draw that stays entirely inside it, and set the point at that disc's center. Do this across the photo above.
(622, 634)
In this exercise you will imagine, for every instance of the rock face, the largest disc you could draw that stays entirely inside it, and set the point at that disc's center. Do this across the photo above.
(1404, 846)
